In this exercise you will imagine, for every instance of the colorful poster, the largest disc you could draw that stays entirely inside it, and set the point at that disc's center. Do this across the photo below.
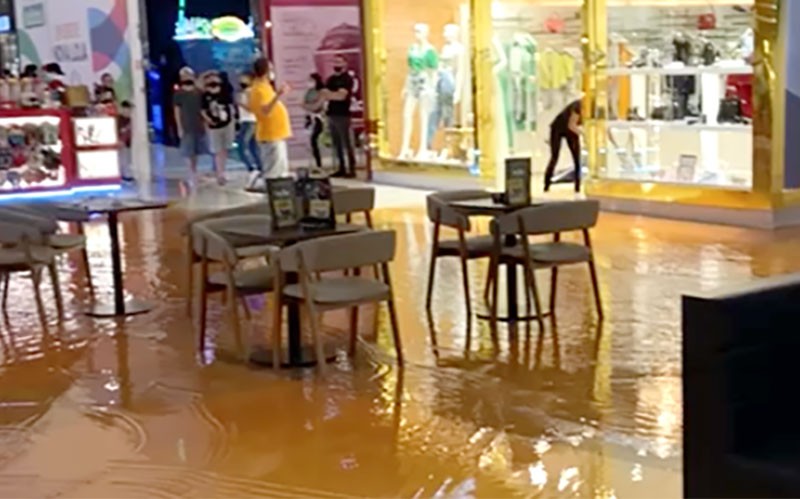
(85, 37)
(306, 37)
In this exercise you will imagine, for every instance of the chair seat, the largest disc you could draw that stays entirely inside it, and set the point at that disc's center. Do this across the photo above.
(547, 254)
(477, 247)
(66, 241)
(255, 251)
(256, 280)
(342, 290)
(16, 257)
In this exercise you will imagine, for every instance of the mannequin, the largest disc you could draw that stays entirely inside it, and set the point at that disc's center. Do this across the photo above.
(683, 86)
(503, 120)
(449, 83)
(522, 71)
(419, 89)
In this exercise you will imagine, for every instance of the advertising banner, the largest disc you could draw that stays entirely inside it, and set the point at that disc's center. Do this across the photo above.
(85, 37)
(306, 35)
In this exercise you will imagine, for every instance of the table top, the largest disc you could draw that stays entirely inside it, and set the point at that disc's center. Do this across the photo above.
(111, 205)
(489, 207)
(256, 233)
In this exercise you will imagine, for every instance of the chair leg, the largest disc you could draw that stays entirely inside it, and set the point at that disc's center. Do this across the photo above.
(553, 290)
(398, 343)
(353, 330)
(36, 278)
(6, 284)
(431, 277)
(53, 270)
(203, 312)
(487, 290)
(537, 303)
(493, 308)
(313, 317)
(467, 297)
(277, 330)
(596, 286)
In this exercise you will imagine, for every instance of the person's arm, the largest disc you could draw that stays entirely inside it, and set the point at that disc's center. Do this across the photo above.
(575, 122)
(176, 106)
(339, 94)
(269, 106)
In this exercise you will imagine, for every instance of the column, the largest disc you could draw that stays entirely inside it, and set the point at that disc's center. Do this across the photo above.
(140, 146)
(481, 24)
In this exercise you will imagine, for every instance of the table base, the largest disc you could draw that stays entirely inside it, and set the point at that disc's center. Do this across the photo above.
(108, 310)
(262, 356)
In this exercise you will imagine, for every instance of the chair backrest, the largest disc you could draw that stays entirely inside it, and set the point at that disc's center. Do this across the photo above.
(360, 249)
(260, 208)
(355, 200)
(44, 223)
(208, 243)
(550, 218)
(14, 233)
(440, 211)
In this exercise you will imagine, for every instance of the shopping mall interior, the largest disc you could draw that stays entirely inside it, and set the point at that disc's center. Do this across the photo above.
(441, 325)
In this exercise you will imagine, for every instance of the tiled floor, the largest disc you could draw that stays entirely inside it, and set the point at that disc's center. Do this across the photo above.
(94, 408)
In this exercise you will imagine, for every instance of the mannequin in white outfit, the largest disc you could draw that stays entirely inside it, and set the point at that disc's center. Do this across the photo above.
(419, 90)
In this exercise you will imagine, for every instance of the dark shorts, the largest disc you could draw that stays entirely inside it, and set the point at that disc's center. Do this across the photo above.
(193, 145)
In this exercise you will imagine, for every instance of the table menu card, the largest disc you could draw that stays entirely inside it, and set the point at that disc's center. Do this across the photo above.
(283, 203)
(518, 181)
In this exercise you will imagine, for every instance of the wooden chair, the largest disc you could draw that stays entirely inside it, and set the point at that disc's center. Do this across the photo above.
(193, 258)
(22, 249)
(549, 219)
(319, 294)
(351, 201)
(441, 214)
(235, 282)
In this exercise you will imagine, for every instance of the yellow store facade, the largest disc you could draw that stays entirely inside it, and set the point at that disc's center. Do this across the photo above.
(684, 101)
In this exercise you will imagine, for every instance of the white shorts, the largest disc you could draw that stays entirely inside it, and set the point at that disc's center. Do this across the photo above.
(275, 158)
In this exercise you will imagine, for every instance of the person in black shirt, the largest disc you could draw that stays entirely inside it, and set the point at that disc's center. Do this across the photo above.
(339, 94)
(221, 115)
(565, 126)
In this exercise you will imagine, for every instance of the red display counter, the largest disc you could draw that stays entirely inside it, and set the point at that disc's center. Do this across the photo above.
(50, 151)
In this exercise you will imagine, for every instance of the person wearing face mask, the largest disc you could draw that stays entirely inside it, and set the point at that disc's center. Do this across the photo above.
(221, 116)
(339, 94)
(188, 104)
(246, 137)
(314, 105)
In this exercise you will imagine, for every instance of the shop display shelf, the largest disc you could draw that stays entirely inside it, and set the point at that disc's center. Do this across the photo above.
(684, 71)
(681, 126)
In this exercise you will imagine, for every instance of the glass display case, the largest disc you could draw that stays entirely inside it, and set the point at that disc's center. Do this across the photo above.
(680, 94)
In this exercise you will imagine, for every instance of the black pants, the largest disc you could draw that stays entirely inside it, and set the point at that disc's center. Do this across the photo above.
(316, 132)
(574, 144)
(339, 127)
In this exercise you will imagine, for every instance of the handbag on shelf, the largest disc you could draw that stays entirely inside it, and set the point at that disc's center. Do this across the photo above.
(730, 110)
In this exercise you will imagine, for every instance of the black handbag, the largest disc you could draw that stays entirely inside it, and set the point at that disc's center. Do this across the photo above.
(730, 110)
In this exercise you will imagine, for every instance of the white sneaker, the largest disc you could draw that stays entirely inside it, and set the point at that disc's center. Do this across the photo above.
(253, 180)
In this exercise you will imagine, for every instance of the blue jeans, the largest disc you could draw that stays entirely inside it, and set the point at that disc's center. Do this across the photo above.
(247, 147)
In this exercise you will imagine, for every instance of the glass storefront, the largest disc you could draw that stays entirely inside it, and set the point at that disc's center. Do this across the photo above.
(680, 94)
(426, 90)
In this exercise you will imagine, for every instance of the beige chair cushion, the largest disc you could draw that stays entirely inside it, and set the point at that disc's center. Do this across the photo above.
(66, 241)
(476, 246)
(342, 290)
(256, 280)
(553, 253)
(14, 257)
(255, 251)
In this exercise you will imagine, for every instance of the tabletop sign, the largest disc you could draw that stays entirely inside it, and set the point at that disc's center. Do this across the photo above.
(518, 181)
(283, 203)
(317, 196)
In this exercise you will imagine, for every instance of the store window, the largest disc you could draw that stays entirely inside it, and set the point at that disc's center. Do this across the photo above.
(680, 94)
(538, 67)
(427, 86)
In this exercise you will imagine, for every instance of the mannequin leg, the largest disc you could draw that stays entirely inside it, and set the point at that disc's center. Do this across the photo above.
(409, 106)
(424, 117)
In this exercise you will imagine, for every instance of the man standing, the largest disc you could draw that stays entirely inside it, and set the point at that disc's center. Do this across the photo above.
(272, 121)
(565, 126)
(339, 94)
(188, 103)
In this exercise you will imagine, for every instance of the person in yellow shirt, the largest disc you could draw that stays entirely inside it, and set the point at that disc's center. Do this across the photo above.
(273, 126)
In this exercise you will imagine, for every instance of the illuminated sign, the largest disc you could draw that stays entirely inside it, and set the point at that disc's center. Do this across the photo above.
(230, 29)
(226, 29)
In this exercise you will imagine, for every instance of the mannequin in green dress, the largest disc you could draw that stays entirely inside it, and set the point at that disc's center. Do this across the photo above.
(419, 90)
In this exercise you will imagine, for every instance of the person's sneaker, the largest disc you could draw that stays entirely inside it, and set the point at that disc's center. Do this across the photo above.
(255, 176)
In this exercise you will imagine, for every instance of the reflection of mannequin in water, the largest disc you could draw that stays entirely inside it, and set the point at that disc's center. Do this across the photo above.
(419, 89)
(449, 83)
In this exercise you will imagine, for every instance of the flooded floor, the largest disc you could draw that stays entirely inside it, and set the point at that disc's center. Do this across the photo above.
(94, 408)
